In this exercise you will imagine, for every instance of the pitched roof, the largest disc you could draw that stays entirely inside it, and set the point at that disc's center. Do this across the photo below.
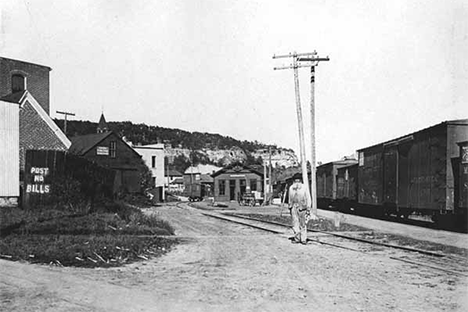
(172, 173)
(177, 181)
(83, 143)
(24, 96)
(202, 169)
(14, 97)
(206, 178)
(102, 125)
(253, 168)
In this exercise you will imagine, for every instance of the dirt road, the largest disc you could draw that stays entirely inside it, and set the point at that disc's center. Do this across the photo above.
(227, 267)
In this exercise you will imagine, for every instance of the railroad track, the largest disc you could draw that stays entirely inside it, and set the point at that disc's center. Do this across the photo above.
(456, 265)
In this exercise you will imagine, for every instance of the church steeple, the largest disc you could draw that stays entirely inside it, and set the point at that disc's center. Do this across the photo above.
(102, 126)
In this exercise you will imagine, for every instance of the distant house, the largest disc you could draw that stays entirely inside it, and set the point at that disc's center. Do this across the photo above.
(177, 185)
(234, 180)
(200, 174)
(171, 175)
(109, 150)
(153, 155)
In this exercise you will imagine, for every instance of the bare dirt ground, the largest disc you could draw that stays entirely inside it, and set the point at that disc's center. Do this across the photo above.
(221, 266)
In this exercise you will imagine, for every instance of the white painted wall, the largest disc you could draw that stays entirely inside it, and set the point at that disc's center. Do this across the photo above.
(147, 152)
(9, 149)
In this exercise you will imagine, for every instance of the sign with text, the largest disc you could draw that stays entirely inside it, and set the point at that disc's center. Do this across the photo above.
(41, 167)
(102, 150)
(38, 184)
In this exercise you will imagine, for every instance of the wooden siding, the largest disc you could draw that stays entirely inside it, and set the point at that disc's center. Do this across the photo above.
(9, 148)
(126, 162)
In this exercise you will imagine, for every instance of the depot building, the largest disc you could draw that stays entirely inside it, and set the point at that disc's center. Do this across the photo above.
(234, 180)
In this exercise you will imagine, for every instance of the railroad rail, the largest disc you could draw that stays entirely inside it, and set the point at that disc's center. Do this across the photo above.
(272, 227)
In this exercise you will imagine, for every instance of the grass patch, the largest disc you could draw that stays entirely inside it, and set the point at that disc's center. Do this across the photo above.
(113, 234)
(83, 250)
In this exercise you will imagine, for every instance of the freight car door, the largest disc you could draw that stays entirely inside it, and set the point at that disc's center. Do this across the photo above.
(403, 174)
(463, 178)
(390, 177)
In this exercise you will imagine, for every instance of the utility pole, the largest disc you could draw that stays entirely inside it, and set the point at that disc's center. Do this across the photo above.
(270, 180)
(314, 60)
(65, 123)
(264, 184)
(311, 60)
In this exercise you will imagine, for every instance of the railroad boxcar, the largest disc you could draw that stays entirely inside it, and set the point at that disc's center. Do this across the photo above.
(461, 192)
(194, 191)
(346, 187)
(414, 173)
(327, 184)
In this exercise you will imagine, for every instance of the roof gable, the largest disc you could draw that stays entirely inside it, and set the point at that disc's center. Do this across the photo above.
(238, 168)
(173, 173)
(83, 143)
(25, 96)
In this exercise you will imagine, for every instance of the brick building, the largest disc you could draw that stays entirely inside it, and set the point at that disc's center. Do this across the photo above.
(24, 94)
(36, 129)
(17, 76)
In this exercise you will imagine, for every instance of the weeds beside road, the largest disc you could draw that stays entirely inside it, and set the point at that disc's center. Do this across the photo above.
(113, 234)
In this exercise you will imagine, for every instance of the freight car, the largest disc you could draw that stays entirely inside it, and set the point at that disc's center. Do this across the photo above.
(330, 186)
(194, 191)
(425, 172)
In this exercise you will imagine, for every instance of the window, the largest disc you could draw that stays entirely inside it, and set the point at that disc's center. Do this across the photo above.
(253, 184)
(154, 181)
(112, 149)
(153, 161)
(222, 187)
(18, 83)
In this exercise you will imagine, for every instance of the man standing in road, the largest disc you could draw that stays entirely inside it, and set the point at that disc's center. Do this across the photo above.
(299, 209)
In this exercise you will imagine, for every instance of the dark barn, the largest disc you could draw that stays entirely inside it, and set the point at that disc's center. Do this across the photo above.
(110, 151)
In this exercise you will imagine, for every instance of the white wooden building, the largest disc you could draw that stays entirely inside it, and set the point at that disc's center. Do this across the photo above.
(9, 154)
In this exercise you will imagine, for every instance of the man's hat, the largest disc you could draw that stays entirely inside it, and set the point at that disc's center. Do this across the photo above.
(297, 176)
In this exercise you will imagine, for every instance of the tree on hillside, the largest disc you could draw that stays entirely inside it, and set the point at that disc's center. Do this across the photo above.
(180, 163)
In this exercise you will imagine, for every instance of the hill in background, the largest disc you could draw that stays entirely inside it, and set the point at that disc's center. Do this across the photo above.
(182, 146)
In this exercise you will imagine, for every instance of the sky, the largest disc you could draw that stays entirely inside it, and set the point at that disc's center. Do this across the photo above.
(395, 66)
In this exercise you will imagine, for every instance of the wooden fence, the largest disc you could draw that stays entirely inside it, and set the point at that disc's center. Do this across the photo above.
(59, 178)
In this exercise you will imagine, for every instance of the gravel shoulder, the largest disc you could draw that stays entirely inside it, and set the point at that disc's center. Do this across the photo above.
(221, 266)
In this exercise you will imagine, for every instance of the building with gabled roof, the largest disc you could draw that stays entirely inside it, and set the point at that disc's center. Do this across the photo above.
(25, 122)
(233, 181)
(109, 150)
(36, 129)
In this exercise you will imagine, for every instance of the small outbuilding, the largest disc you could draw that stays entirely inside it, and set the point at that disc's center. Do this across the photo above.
(231, 182)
